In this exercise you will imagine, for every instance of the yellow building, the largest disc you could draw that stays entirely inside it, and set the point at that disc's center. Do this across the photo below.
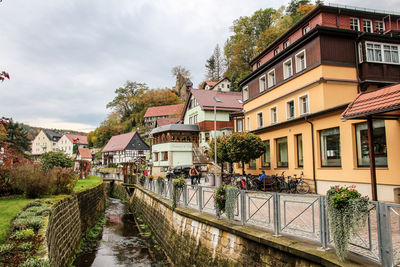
(300, 86)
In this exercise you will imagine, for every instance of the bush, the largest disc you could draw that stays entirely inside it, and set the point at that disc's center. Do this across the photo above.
(35, 262)
(5, 248)
(52, 159)
(25, 246)
(38, 210)
(63, 180)
(33, 222)
(112, 165)
(23, 234)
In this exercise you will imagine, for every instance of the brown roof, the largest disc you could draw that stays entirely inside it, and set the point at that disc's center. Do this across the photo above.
(77, 139)
(85, 153)
(118, 142)
(211, 83)
(229, 100)
(163, 110)
(378, 101)
(166, 121)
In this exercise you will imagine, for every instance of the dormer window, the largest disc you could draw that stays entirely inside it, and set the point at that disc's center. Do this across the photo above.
(258, 64)
(306, 29)
(379, 26)
(286, 44)
(367, 25)
(276, 51)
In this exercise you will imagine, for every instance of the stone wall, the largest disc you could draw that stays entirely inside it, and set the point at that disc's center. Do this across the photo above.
(191, 238)
(69, 221)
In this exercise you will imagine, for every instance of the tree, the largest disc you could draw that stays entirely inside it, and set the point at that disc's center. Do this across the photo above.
(182, 75)
(222, 151)
(52, 159)
(294, 5)
(215, 65)
(4, 75)
(15, 137)
(243, 147)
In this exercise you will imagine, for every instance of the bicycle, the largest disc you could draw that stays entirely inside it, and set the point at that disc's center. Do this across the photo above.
(298, 185)
(281, 184)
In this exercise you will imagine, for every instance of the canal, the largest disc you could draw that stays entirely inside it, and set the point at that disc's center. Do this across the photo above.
(121, 243)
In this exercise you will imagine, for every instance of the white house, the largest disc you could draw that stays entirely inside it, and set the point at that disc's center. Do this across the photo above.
(221, 85)
(45, 141)
(67, 142)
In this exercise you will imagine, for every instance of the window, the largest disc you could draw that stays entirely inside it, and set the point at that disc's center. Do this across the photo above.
(259, 120)
(306, 29)
(222, 85)
(245, 93)
(300, 61)
(286, 44)
(227, 86)
(190, 120)
(290, 109)
(299, 143)
(252, 164)
(367, 26)
(379, 26)
(379, 144)
(239, 125)
(262, 83)
(360, 53)
(207, 136)
(271, 78)
(303, 103)
(248, 124)
(258, 64)
(276, 51)
(354, 24)
(165, 155)
(287, 69)
(266, 157)
(282, 152)
(385, 53)
(330, 148)
(274, 115)
(156, 156)
(195, 119)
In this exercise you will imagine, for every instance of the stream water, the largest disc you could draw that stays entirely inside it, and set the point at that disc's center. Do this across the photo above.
(121, 243)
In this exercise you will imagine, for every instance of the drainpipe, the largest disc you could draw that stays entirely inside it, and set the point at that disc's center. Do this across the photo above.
(313, 153)
(357, 62)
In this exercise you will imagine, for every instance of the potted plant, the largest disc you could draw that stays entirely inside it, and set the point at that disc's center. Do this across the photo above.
(347, 213)
(177, 188)
(225, 200)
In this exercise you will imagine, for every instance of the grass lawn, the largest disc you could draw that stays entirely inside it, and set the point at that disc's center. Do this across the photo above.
(9, 208)
(89, 182)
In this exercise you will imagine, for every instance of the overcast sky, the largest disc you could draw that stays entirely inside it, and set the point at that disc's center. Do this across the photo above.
(66, 58)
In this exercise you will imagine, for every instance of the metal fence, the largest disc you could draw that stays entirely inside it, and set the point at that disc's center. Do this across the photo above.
(301, 216)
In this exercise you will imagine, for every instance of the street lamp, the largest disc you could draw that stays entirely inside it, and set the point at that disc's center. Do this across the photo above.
(217, 183)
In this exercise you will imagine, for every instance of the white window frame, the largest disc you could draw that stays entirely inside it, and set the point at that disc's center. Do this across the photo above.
(258, 64)
(376, 26)
(245, 93)
(382, 50)
(360, 53)
(306, 29)
(369, 28)
(276, 51)
(286, 44)
(301, 111)
(262, 85)
(276, 114)
(358, 24)
(271, 82)
(260, 123)
(285, 69)
(248, 124)
(298, 60)
(287, 109)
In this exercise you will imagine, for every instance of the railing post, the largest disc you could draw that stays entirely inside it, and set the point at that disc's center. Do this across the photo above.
(277, 215)
(170, 190)
(200, 192)
(243, 206)
(384, 235)
(323, 223)
(185, 203)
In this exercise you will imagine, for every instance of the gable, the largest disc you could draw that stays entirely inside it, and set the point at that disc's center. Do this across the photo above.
(137, 143)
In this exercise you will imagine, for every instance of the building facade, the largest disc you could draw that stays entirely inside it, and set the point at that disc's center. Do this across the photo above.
(161, 112)
(68, 141)
(221, 85)
(301, 84)
(45, 141)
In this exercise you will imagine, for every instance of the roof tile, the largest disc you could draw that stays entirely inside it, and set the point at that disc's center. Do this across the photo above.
(163, 110)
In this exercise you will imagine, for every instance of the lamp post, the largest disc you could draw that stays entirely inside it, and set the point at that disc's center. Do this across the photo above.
(215, 146)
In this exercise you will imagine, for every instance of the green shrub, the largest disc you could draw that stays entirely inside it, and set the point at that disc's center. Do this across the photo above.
(31, 179)
(25, 246)
(62, 180)
(5, 248)
(23, 234)
(35, 262)
(34, 203)
(23, 223)
(26, 214)
(38, 211)
(112, 165)
(52, 159)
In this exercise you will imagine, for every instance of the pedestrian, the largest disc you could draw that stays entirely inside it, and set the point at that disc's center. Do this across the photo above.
(170, 174)
(193, 173)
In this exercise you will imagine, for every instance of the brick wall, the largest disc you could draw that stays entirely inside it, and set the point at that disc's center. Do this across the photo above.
(190, 238)
(69, 221)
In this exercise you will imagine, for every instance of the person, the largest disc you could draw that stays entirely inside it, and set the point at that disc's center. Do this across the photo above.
(170, 174)
(193, 173)
(260, 180)
(145, 173)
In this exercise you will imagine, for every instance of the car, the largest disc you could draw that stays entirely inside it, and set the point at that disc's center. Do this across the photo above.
(183, 170)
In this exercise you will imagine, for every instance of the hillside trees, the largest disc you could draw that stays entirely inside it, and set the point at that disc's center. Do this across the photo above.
(215, 65)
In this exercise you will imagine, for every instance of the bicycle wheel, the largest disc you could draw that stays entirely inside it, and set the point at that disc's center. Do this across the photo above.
(292, 187)
(303, 187)
(283, 187)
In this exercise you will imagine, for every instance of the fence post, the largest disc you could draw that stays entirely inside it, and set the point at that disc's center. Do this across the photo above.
(170, 190)
(277, 214)
(384, 235)
(243, 206)
(185, 196)
(323, 223)
(200, 192)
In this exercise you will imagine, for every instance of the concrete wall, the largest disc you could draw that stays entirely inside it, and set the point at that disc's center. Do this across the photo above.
(190, 238)
(70, 220)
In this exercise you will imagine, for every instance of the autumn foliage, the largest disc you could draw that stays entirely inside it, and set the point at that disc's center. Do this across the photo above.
(4, 75)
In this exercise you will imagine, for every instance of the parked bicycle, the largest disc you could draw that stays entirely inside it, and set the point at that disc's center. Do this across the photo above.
(298, 185)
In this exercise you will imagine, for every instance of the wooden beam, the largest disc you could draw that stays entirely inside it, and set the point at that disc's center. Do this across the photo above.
(372, 159)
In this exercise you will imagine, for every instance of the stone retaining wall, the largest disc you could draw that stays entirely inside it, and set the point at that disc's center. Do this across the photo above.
(69, 221)
(191, 238)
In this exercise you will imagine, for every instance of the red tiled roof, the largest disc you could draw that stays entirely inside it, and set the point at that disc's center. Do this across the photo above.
(230, 101)
(166, 121)
(163, 110)
(211, 83)
(77, 139)
(85, 153)
(377, 101)
(118, 142)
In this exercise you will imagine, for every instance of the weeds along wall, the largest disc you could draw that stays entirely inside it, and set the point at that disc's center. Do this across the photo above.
(70, 220)
(191, 238)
